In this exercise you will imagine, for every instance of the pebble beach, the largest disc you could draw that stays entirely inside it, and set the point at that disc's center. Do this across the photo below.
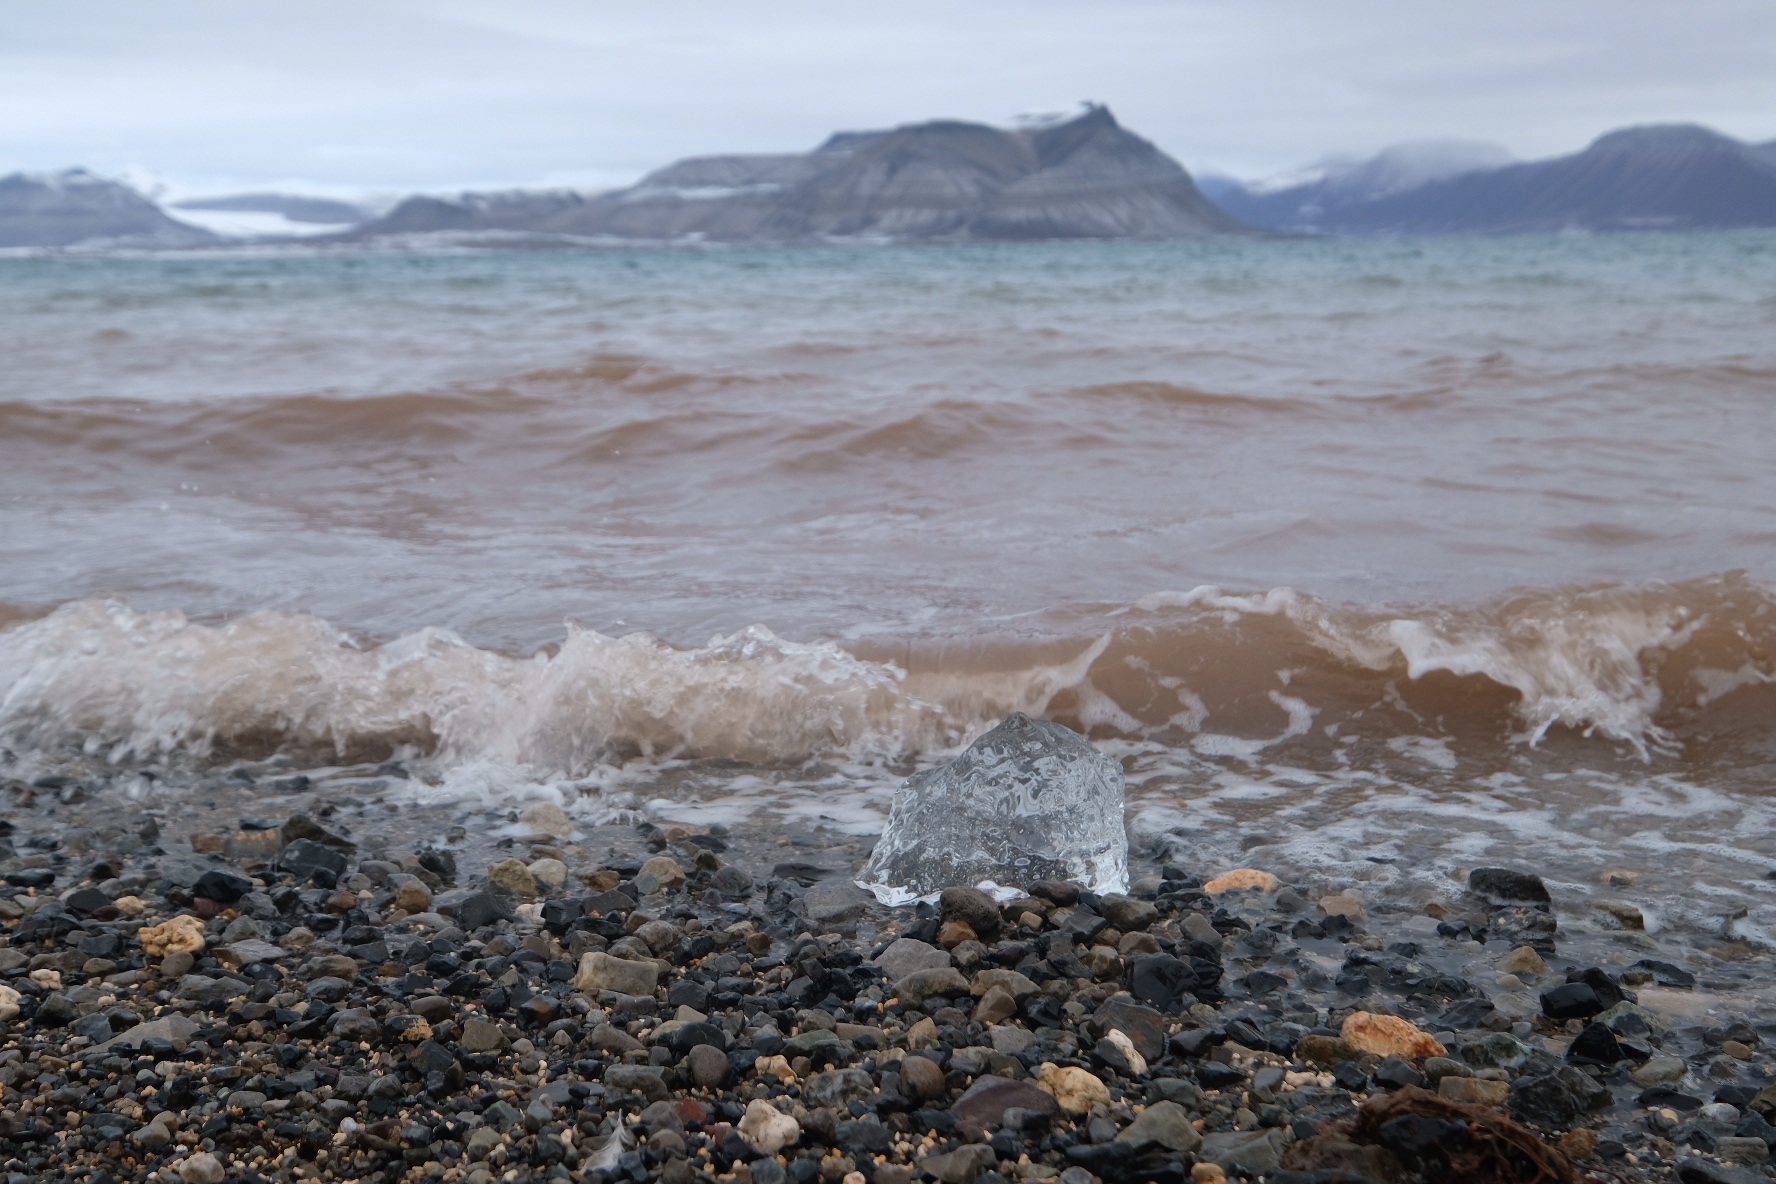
(205, 995)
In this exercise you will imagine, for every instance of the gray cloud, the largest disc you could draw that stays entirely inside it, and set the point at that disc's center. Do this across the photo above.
(404, 94)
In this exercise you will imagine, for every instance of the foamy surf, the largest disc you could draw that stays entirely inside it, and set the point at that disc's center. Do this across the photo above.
(1653, 669)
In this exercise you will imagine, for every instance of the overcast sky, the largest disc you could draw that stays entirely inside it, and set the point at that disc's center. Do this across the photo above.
(396, 95)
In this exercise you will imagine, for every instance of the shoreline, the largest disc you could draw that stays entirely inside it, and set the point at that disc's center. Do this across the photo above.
(769, 936)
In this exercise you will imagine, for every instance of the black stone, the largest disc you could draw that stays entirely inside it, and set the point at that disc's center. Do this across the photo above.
(686, 993)
(1544, 1101)
(690, 1036)
(1161, 980)
(304, 857)
(1524, 925)
(1350, 1076)
(1419, 1141)
(1596, 1045)
(440, 863)
(1215, 1075)
(1609, 991)
(483, 908)
(1665, 974)
(1500, 887)
(84, 902)
(608, 902)
(1395, 1074)
(1665, 1096)
(1574, 1001)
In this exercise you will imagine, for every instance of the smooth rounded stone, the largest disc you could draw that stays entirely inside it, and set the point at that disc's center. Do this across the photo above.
(834, 901)
(1030, 800)
(512, 877)
(709, 1066)
(953, 933)
(987, 1100)
(1437, 1068)
(599, 971)
(1721, 1114)
(9, 1003)
(1162, 1124)
(550, 874)
(1345, 905)
(1747, 1150)
(1389, 1036)
(1127, 913)
(612, 1039)
(1580, 1143)
(837, 1088)
(921, 985)
(1021, 988)
(660, 936)
(995, 1007)
(922, 1078)
(1197, 928)
(1241, 878)
(240, 929)
(1474, 1089)
(970, 907)
(327, 989)
(767, 1128)
(1011, 1040)
(960, 1166)
(1659, 1071)
(202, 1168)
(1075, 1089)
(646, 1080)
(1497, 1050)
(412, 896)
(1254, 1151)
(354, 1023)
(666, 870)
(1523, 960)
(482, 1036)
(432, 1008)
(545, 820)
(246, 953)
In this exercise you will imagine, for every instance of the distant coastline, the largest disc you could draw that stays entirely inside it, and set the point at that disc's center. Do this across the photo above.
(946, 181)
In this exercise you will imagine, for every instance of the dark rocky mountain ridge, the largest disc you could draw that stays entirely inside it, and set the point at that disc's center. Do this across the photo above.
(1658, 177)
(945, 180)
(73, 207)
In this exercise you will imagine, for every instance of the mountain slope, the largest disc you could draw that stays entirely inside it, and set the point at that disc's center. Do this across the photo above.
(74, 207)
(947, 180)
(1661, 177)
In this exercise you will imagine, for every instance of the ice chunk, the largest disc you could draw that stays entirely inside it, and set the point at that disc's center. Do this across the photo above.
(1030, 800)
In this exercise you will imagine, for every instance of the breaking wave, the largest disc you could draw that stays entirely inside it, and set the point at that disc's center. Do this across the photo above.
(1661, 671)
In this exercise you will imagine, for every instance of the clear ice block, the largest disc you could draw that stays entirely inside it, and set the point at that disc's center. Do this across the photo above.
(1030, 800)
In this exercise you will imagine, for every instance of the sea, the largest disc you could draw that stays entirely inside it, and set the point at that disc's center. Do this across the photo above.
(1373, 561)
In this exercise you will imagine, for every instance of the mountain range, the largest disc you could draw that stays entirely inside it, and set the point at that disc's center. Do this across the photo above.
(1084, 177)
(62, 209)
(1659, 177)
